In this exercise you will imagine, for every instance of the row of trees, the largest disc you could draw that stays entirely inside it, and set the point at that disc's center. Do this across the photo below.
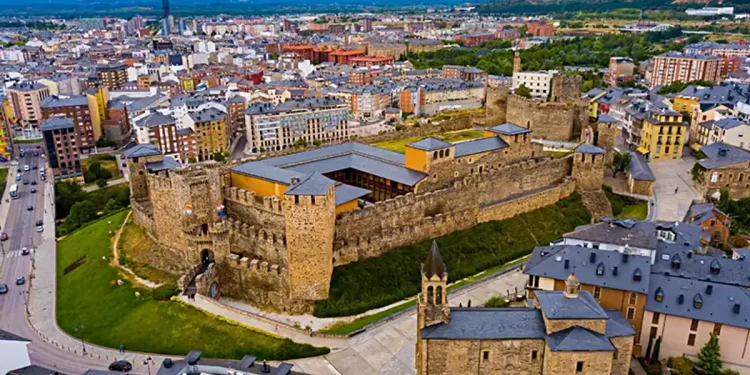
(76, 207)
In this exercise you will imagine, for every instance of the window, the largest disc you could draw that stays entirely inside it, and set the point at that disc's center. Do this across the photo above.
(579, 366)
(633, 298)
(597, 292)
(631, 313)
(486, 355)
(691, 339)
(534, 355)
(717, 329)
(694, 325)
(655, 319)
(653, 332)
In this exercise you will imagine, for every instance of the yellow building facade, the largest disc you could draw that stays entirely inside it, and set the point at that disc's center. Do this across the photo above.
(663, 136)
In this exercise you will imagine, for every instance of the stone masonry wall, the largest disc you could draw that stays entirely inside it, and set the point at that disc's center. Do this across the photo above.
(588, 171)
(554, 121)
(523, 203)
(736, 177)
(504, 357)
(624, 347)
(594, 363)
(412, 218)
(565, 88)
(496, 105)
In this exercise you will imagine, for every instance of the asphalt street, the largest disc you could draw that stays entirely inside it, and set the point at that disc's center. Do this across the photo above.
(21, 229)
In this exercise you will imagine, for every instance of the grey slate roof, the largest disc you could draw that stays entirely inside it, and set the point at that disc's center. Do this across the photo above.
(716, 307)
(605, 118)
(7, 336)
(478, 146)
(433, 264)
(167, 164)
(208, 114)
(141, 151)
(57, 123)
(634, 233)
(589, 149)
(489, 324)
(429, 144)
(312, 184)
(508, 129)
(721, 154)
(346, 193)
(550, 261)
(639, 168)
(729, 123)
(699, 267)
(557, 306)
(575, 339)
(617, 325)
(292, 105)
(155, 119)
(55, 101)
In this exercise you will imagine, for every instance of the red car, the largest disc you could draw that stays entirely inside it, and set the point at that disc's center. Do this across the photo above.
(4, 236)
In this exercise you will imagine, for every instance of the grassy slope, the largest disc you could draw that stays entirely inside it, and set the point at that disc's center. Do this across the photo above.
(399, 145)
(375, 282)
(88, 298)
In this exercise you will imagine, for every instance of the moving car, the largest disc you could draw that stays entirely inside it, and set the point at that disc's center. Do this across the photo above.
(36, 153)
(33, 190)
(29, 208)
(26, 181)
(39, 226)
(20, 280)
(33, 182)
(121, 366)
(26, 168)
(4, 236)
(3, 288)
(25, 251)
(18, 177)
(35, 167)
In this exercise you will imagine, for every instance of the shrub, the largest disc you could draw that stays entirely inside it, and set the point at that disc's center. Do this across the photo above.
(165, 292)
(374, 282)
(496, 301)
(729, 371)
(681, 365)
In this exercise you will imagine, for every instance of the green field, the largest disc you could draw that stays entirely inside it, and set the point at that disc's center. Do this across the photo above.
(636, 211)
(374, 282)
(89, 299)
(399, 145)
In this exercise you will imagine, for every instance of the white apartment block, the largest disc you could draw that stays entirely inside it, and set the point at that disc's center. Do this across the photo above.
(539, 83)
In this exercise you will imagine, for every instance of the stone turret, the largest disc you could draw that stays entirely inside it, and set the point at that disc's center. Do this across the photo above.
(137, 159)
(309, 215)
(432, 307)
(572, 286)
(588, 167)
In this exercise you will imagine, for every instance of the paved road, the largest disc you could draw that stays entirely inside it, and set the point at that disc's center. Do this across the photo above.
(20, 227)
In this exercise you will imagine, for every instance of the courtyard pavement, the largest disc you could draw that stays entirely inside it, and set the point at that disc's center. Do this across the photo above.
(673, 190)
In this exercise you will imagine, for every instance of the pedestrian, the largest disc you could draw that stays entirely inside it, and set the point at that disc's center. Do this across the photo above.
(122, 349)
(676, 189)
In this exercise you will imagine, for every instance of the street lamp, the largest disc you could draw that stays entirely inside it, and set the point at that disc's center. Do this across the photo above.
(147, 362)
(82, 344)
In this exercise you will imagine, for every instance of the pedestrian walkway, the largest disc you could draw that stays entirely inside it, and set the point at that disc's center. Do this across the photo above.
(95, 187)
(673, 190)
(636, 367)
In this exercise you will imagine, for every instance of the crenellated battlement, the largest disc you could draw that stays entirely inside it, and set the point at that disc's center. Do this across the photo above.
(248, 198)
(255, 233)
(257, 266)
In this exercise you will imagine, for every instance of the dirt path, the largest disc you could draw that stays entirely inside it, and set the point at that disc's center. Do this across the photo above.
(116, 258)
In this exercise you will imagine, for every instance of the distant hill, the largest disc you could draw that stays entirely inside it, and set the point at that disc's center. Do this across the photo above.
(559, 6)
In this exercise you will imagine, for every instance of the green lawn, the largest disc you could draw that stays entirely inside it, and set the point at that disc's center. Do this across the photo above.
(88, 298)
(399, 145)
(27, 141)
(393, 276)
(3, 176)
(636, 211)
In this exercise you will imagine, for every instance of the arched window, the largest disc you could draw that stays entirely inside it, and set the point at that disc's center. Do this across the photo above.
(441, 154)
(448, 153)
(430, 295)
(434, 155)
(439, 295)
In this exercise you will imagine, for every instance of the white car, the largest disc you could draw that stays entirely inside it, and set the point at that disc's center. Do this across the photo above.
(26, 168)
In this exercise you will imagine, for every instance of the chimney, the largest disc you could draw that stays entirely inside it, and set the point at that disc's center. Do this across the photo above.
(624, 257)
(592, 257)
(295, 180)
(736, 308)
(709, 289)
(567, 264)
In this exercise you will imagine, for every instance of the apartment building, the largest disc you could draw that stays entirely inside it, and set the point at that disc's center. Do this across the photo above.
(159, 130)
(370, 102)
(60, 147)
(664, 134)
(113, 76)
(725, 166)
(539, 83)
(210, 128)
(394, 50)
(277, 127)
(681, 67)
(25, 100)
(75, 108)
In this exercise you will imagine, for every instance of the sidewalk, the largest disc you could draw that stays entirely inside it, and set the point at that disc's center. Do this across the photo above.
(5, 206)
(94, 187)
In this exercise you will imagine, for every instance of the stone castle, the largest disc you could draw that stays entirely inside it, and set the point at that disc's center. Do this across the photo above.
(271, 231)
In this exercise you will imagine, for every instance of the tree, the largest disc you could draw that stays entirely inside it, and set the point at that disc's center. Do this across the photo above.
(523, 91)
(111, 206)
(655, 354)
(621, 163)
(218, 156)
(709, 358)
(648, 348)
(101, 183)
(81, 213)
(300, 142)
(724, 199)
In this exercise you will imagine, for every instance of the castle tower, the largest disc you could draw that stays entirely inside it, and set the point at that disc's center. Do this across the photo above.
(310, 214)
(516, 61)
(606, 136)
(432, 304)
(565, 88)
(572, 286)
(588, 167)
(137, 159)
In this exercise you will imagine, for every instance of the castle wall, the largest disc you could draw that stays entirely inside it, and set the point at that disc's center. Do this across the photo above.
(554, 121)
(565, 88)
(525, 203)
(495, 106)
(142, 215)
(587, 170)
(621, 362)
(411, 218)
(594, 363)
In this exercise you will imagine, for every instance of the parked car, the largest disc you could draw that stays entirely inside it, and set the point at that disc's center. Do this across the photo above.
(4, 236)
(18, 177)
(3, 288)
(36, 153)
(120, 366)
(20, 280)
(39, 226)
